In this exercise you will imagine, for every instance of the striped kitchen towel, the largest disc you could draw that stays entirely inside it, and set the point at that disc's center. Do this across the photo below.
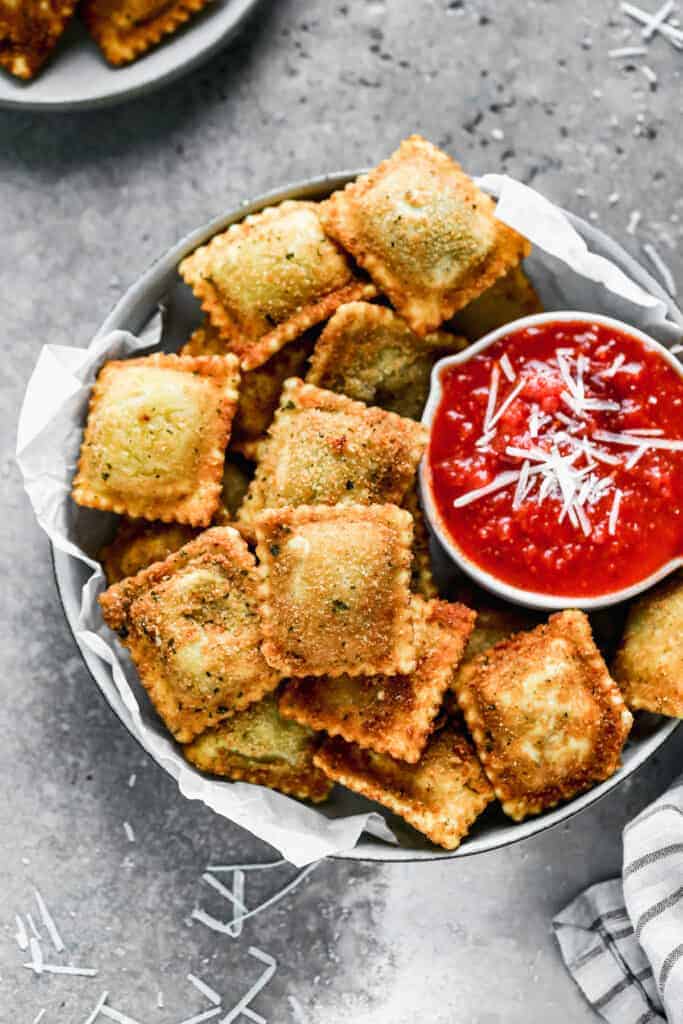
(622, 940)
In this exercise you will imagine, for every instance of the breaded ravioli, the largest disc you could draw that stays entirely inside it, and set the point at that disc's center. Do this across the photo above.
(260, 389)
(334, 596)
(369, 353)
(125, 29)
(258, 745)
(441, 796)
(649, 662)
(424, 232)
(509, 298)
(389, 714)
(138, 544)
(266, 280)
(191, 626)
(547, 720)
(29, 32)
(155, 438)
(325, 449)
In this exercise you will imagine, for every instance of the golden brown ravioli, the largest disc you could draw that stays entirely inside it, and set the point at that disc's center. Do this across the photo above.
(260, 389)
(258, 745)
(441, 796)
(156, 435)
(425, 233)
(491, 626)
(324, 448)
(649, 663)
(29, 32)
(334, 595)
(265, 281)
(369, 353)
(192, 628)
(388, 714)
(125, 29)
(547, 720)
(139, 543)
(509, 298)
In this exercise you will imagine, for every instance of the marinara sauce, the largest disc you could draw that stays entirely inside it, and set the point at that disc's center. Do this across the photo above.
(556, 459)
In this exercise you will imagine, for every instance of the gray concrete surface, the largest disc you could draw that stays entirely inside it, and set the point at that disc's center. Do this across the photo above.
(86, 202)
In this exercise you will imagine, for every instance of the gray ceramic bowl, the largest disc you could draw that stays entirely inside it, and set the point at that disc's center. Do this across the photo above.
(161, 284)
(77, 77)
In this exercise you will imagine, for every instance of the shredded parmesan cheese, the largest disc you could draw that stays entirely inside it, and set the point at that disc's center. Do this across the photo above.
(41, 1013)
(507, 368)
(49, 923)
(217, 868)
(633, 222)
(128, 829)
(200, 1017)
(614, 513)
(271, 967)
(116, 1015)
(75, 972)
(21, 936)
(36, 964)
(205, 989)
(627, 51)
(97, 1009)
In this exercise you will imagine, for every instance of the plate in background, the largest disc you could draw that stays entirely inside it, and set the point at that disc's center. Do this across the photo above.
(161, 284)
(77, 77)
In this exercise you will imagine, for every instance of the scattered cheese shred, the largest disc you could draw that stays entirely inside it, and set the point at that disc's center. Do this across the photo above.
(614, 513)
(655, 23)
(41, 1013)
(227, 928)
(49, 923)
(297, 1010)
(238, 883)
(21, 936)
(507, 368)
(217, 868)
(205, 989)
(243, 1004)
(128, 829)
(224, 891)
(160, 1000)
(633, 222)
(132, 780)
(97, 1008)
(627, 51)
(661, 267)
(120, 1018)
(74, 972)
(36, 964)
(199, 1017)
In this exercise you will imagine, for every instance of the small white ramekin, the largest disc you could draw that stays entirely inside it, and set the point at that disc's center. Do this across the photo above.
(516, 595)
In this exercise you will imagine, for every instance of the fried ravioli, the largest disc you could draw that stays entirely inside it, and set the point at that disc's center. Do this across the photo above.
(441, 796)
(424, 232)
(125, 29)
(29, 32)
(334, 595)
(266, 280)
(547, 720)
(369, 353)
(509, 298)
(192, 629)
(155, 439)
(259, 746)
(324, 448)
(389, 714)
(649, 663)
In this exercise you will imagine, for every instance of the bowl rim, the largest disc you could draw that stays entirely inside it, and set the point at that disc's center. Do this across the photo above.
(486, 579)
(133, 309)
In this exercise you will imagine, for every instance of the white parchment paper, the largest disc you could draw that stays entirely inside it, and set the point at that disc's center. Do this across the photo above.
(567, 274)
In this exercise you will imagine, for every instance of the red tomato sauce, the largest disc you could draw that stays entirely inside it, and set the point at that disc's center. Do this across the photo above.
(561, 473)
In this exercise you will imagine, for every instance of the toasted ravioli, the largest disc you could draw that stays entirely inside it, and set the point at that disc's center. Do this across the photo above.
(441, 796)
(649, 662)
(425, 233)
(389, 714)
(334, 595)
(237, 475)
(192, 628)
(547, 720)
(258, 745)
(508, 299)
(259, 389)
(125, 29)
(324, 448)
(491, 626)
(264, 281)
(369, 353)
(156, 435)
(421, 578)
(139, 543)
(29, 32)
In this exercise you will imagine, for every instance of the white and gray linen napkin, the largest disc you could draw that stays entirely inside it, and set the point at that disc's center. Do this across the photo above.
(622, 940)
